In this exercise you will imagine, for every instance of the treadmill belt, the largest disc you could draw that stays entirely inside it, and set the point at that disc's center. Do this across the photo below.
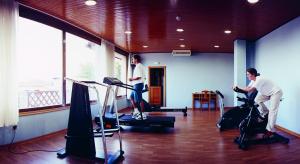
(153, 121)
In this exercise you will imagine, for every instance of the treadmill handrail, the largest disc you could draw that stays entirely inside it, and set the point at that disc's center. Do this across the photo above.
(116, 82)
(86, 83)
(127, 86)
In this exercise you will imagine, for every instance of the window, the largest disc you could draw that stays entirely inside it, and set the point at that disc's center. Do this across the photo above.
(39, 57)
(81, 62)
(41, 67)
(120, 71)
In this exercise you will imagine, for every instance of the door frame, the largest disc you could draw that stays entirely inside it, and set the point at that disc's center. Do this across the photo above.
(164, 84)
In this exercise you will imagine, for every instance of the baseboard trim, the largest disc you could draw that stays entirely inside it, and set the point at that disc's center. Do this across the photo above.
(287, 131)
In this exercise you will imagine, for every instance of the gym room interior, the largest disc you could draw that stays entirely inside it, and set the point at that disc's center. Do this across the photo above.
(66, 64)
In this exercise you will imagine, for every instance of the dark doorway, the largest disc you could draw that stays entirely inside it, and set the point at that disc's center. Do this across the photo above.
(157, 85)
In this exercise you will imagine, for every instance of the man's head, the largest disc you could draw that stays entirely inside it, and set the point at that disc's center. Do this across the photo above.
(252, 73)
(136, 59)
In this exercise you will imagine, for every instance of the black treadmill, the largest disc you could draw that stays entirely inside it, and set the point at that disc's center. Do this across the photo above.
(127, 120)
(109, 118)
(80, 137)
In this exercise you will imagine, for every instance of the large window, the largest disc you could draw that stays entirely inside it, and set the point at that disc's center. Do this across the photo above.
(120, 71)
(81, 61)
(39, 55)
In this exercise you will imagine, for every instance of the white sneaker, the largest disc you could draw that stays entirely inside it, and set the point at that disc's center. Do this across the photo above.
(137, 116)
(144, 116)
(134, 114)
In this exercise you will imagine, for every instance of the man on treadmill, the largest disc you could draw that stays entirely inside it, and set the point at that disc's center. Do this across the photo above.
(138, 84)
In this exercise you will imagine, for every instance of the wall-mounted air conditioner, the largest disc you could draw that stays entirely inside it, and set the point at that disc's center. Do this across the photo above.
(181, 53)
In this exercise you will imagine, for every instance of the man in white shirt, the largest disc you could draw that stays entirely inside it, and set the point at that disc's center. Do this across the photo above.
(138, 84)
(267, 91)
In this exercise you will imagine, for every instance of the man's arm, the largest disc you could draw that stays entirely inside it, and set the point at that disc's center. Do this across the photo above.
(246, 89)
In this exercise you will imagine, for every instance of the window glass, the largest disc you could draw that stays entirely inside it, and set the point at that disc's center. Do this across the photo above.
(81, 59)
(39, 57)
(120, 71)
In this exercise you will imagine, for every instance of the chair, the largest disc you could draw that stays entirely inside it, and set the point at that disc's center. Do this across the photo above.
(207, 97)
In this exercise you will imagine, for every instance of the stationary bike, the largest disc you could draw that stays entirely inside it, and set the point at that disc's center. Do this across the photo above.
(254, 124)
(233, 117)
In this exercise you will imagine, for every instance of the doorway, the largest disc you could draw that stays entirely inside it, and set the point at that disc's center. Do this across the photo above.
(157, 85)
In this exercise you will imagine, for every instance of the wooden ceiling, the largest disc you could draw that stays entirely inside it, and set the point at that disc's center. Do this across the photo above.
(153, 22)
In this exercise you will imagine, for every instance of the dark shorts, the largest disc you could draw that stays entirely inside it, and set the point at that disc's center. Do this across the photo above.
(137, 95)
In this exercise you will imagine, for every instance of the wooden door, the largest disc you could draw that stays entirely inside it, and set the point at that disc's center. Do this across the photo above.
(155, 95)
(157, 85)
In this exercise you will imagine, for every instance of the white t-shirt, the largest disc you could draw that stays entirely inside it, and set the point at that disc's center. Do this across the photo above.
(139, 71)
(264, 86)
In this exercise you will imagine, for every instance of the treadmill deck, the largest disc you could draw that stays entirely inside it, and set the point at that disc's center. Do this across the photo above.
(152, 121)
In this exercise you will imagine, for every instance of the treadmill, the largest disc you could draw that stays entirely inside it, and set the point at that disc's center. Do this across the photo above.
(151, 121)
(109, 118)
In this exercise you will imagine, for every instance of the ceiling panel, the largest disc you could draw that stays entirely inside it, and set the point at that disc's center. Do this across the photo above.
(153, 22)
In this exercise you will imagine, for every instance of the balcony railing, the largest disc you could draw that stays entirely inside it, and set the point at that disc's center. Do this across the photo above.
(39, 98)
(43, 98)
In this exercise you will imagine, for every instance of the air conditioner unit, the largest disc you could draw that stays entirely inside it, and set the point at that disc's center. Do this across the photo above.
(181, 53)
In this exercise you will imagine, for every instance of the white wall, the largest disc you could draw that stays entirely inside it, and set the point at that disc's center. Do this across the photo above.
(185, 75)
(240, 57)
(277, 56)
(41, 124)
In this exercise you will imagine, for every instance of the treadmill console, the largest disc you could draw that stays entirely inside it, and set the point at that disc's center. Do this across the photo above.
(112, 81)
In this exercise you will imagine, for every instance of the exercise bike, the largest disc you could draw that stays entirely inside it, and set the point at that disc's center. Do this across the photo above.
(254, 124)
(233, 117)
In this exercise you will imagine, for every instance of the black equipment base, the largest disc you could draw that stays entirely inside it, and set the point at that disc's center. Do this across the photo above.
(151, 121)
(127, 120)
(162, 109)
(269, 140)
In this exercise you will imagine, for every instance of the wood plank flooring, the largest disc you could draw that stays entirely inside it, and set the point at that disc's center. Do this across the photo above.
(195, 139)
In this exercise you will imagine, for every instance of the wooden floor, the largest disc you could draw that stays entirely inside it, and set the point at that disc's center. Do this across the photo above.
(195, 139)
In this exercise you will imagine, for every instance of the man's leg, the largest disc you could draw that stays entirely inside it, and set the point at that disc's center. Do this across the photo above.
(139, 99)
(274, 106)
(133, 103)
(260, 99)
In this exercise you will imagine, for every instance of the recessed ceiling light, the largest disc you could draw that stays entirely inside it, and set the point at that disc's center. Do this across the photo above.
(252, 1)
(90, 2)
(145, 46)
(127, 32)
(179, 30)
(181, 39)
(227, 31)
(182, 45)
(216, 46)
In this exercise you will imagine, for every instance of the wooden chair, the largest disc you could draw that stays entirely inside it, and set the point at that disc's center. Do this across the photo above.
(207, 97)
(204, 98)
